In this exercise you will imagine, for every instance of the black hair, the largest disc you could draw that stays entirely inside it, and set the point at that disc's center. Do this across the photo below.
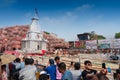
(57, 58)
(3, 67)
(31, 61)
(103, 65)
(43, 77)
(51, 61)
(17, 60)
(27, 61)
(71, 63)
(62, 66)
(77, 66)
(86, 62)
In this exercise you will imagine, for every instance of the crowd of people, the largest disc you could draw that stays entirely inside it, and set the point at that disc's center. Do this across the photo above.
(30, 69)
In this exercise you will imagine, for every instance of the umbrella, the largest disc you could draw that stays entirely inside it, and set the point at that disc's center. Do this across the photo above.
(7, 58)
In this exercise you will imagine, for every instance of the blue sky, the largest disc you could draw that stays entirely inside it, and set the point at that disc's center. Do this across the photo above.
(66, 18)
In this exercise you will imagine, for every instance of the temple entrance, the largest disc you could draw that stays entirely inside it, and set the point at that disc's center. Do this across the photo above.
(38, 47)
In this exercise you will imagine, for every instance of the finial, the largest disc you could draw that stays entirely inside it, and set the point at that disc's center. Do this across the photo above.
(36, 12)
(36, 15)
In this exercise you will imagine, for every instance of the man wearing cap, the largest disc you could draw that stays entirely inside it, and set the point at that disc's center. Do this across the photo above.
(51, 69)
(44, 76)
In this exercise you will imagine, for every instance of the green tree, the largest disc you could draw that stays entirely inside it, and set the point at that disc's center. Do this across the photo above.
(93, 37)
(117, 35)
(46, 32)
(101, 37)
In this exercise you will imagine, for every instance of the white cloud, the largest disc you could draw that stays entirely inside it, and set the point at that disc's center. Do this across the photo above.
(79, 9)
(5, 3)
(84, 7)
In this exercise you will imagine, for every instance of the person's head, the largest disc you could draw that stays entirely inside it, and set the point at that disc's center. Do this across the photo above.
(31, 61)
(62, 67)
(44, 76)
(36, 62)
(77, 66)
(57, 59)
(51, 61)
(72, 63)
(3, 67)
(88, 64)
(17, 60)
(27, 61)
(23, 59)
(103, 65)
(117, 75)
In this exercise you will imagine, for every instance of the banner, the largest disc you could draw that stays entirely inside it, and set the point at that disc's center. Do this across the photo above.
(104, 46)
(91, 44)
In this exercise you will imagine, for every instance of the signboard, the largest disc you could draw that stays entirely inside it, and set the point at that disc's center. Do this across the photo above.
(91, 44)
(80, 44)
(104, 46)
(113, 43)
(77, 44)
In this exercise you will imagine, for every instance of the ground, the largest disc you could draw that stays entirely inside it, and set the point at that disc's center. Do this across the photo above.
(96, 59)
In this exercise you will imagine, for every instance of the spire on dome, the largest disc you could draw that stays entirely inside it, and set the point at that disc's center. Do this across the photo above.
(36, 15)
(36, 12)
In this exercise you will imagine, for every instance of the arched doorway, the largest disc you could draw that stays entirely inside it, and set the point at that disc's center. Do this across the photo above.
(38, 47)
